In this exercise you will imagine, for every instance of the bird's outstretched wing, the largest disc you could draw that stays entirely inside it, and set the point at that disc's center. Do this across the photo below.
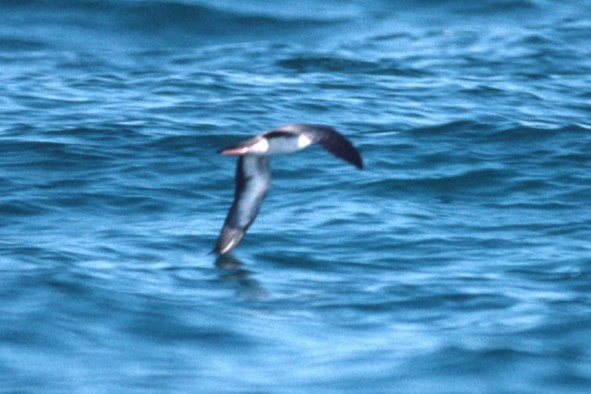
(252, 182)
(325, 136)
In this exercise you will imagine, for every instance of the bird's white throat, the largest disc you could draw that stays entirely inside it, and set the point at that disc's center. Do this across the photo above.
(262, 146)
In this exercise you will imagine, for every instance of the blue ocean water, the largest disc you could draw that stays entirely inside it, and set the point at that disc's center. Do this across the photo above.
(458, 260)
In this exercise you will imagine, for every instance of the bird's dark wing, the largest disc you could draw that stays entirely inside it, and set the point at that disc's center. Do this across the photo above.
(327, 137)
(252, 182)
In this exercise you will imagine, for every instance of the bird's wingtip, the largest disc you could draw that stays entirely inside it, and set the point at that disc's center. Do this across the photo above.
(228, 240)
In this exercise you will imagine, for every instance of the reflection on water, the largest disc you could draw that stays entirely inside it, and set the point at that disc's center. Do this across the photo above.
(232, 270)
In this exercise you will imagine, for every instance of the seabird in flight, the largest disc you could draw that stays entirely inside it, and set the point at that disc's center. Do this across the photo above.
(253, 176)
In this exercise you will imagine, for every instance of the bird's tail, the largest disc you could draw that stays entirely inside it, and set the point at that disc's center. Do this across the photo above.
(228, 239)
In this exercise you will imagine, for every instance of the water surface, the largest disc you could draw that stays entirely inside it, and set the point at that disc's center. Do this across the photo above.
(457, 261)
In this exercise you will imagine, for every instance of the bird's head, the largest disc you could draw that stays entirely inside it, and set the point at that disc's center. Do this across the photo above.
(257, 145)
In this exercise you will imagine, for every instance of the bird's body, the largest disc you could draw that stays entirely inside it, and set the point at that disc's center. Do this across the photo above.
(253, 176)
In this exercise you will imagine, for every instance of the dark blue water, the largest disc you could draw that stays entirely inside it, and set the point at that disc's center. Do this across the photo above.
(459, 260)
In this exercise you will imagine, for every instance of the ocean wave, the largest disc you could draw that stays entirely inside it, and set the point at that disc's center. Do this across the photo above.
(114, 23)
